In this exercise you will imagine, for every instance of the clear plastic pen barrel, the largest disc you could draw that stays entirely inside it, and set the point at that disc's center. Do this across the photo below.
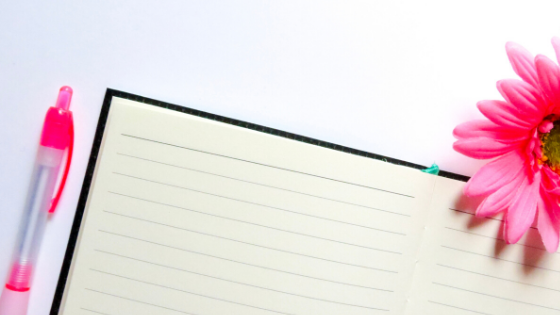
(43, 182)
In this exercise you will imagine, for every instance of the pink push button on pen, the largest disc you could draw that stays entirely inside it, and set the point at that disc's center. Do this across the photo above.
(57, 138)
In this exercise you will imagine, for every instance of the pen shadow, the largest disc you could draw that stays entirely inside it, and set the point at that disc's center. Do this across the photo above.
(533, 252)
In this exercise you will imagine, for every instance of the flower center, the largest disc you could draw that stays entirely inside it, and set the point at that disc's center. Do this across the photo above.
(550, 144)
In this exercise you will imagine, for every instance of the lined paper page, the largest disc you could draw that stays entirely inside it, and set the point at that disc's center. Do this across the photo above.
(191, 216)
(467, 269)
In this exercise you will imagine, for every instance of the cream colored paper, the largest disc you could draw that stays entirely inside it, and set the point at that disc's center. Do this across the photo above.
(187, 215)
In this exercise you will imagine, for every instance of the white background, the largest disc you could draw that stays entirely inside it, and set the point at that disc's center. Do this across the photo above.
(390, 77)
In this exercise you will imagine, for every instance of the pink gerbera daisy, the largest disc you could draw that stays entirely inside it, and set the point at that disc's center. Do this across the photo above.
(522, 133)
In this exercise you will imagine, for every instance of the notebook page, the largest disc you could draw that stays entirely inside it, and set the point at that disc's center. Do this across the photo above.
(466, 267)
(191, 216)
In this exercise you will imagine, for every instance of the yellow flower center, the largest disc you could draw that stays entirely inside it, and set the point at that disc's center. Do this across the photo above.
(550, 144)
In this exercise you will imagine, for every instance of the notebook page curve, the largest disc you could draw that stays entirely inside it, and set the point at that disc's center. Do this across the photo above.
(467, 268)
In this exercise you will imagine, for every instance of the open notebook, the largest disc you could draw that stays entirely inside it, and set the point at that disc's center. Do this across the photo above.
(182, 214)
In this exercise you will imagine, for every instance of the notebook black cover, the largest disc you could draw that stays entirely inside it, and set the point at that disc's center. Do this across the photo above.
(97, 144)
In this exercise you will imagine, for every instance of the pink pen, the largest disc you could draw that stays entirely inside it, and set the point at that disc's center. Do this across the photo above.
(57, 139)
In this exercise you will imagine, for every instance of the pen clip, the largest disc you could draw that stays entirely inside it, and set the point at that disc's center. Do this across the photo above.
(56, 198)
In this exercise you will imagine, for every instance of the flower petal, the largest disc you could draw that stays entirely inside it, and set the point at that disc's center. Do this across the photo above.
(501, 199)
(556, 45)
(546, 126)
(522, 62)
(484, 128)
(495, 174)
(483, 148)
(521, 212)
(550, 181)
(525, 98)
(549, 221)
(503, 114)
(549, 77)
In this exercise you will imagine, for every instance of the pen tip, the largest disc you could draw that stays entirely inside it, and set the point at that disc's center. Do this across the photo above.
(64, 97)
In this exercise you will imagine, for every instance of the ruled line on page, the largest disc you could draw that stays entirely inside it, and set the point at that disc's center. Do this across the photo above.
(497, 258)
(474, 215)
(259, 225)
(288, 211)
(494, 277)
(142, 302)
(459, 308)
(248, 243)
(287, 231)
(489, 218)
(239, 283)
(233, 261)
(266, 165)
(495, 296)
(494, 238)
(251, 182)
(226, 197)
(92, 311)
(269, 248)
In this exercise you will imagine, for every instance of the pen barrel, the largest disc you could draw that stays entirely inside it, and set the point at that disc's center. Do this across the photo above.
(14, 302)
(41, 189)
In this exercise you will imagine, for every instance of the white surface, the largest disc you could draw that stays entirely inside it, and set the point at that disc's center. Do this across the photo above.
(390, 77)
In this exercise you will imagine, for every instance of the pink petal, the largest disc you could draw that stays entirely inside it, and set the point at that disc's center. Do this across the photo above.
(549, 221)
(546, 126)
(550, 181)
(556, 45)
(533, 150)
(525, 98)
(495, 174)
(521, 212)
(549, 77)
(484, 128)
(501, 199)
(522, 62)
(483, 148)
(503, 114)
